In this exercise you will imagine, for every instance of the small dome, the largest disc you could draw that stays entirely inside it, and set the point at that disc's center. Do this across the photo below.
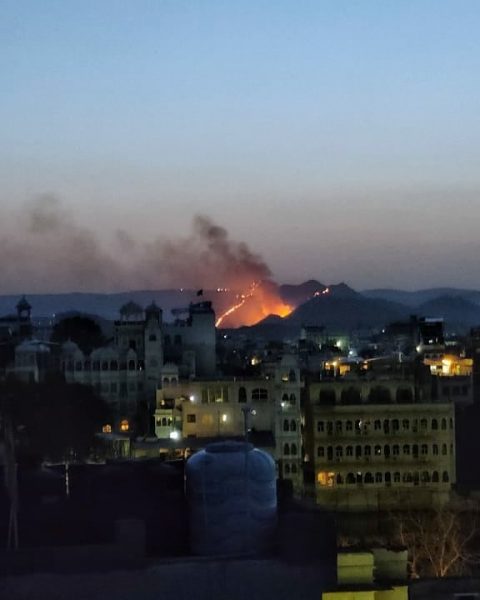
(70, 347)
(130, 309)
(153, 308)
(29, 346)
(23, 304)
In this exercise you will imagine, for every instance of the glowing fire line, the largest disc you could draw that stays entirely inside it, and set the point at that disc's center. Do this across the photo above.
(232, 309)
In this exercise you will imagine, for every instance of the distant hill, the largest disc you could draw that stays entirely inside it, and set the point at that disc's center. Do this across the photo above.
(459, 314)
(420, 297)
(298, 294)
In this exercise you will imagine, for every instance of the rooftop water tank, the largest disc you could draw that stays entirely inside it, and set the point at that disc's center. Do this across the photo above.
(231, 492)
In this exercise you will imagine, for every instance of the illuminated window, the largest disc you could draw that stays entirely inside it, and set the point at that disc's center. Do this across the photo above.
(107, 429)
(326, 478)
(124, 425)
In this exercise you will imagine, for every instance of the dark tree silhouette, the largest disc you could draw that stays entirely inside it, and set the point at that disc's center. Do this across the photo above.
(82, 330)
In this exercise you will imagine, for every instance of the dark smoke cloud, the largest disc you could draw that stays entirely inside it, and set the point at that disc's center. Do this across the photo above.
(50, 252)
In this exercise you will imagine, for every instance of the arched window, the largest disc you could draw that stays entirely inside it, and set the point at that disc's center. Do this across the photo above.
(434, 424)
(386, 450)
(435, 449)
(96, 365)
(326, 397)
(320, 452)
(104, 365)
(349, 426)
(407, 477)
(451, 423)
(423, 424)
(351, 395)
(386, 426)
(113, 365)
(293, 449)
(78, 365)
(378, 477)
(379, 395)
(444, 424)
(404, 396)
(320, 426)
(338, 426)
(368, 478)
(242, 395)
(444, 449)
(424, 449)
(329, 427)
(286, 449)
(294, 469)
(415, 450)
(131, 365)
(88, 365)
(293, 425)
(406, 449)
(293, 399)
(351, 478)
(445, 477)
(287, 469)
(292, 376)
(358, 451)
(396, 477)
(378, 450)
(396, 450)
(435, 478)
(406, 424)
(349, 451)
(285, 425)
(339, 452)
(164, 421)
(395, 425)
(425, 477)
(377, 424)
(367, 451)
(388, 478)
(285, 398)
(339, 479)
(330, 453)
(260, 394)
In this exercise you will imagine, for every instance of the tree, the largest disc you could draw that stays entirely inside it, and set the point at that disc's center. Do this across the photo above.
(440, 542)
(54, 421)
(84, 331)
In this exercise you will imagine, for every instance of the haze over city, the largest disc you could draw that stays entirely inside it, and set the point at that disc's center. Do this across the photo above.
(339, 141)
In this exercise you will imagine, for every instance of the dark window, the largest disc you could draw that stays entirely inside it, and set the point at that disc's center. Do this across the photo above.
(327, 397)
(320, 427)
(378, 477)
(367, 451)
(177, 340)
(406, 424)
(131, 365)
(349, 451)
(293, 399)
(292, 376)
(191, 418)
(285, 425)
(368, 478)
(379, 395)
(445, 477)
(152, 337)
(259, 394)
(286, 449)
(444, 424)
(351, 396)
(320, 452)
(339, 452)
(293, 425)
(242, 395)
(434, 424)
(293, 449)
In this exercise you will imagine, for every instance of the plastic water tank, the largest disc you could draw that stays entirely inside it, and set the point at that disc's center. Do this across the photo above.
(231, 491)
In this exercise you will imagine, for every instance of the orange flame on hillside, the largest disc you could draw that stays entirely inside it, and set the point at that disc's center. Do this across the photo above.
(259, 301)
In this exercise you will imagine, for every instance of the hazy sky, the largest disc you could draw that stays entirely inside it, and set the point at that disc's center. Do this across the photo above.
(339, 139)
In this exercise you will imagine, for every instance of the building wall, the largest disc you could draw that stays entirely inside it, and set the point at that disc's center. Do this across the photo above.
(367, 457)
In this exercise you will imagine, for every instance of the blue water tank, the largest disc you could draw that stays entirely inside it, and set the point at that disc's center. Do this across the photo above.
(231, 492)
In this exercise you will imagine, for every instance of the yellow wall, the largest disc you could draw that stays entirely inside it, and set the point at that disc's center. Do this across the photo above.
(396, 593)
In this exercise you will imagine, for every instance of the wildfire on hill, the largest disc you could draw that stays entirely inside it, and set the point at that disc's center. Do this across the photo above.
(260, 300)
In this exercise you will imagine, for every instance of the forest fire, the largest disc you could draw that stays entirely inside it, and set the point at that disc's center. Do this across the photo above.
(259, 301)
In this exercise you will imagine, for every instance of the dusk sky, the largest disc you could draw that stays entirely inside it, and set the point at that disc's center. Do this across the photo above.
(339, 139)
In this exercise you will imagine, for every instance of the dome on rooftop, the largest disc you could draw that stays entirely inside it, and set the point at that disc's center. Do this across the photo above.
(131, 308)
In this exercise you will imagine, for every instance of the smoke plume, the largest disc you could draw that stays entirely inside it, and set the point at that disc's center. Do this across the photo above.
(49, 251)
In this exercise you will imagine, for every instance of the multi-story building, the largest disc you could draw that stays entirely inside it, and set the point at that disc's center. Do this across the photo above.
(130, 368)
(372, 447)
(267, 409)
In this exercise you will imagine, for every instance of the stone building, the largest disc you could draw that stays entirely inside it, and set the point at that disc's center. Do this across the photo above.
(129, 369)
(195, 411)
(372, 447)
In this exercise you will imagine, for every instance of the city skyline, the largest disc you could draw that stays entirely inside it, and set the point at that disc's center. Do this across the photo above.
(338, 141)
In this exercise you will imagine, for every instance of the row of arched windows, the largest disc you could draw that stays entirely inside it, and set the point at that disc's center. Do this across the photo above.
(289, 425)
(376, 395)
(104, 365)
(385, 425)
(290, 399)
(415, 450)
(413, 477)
